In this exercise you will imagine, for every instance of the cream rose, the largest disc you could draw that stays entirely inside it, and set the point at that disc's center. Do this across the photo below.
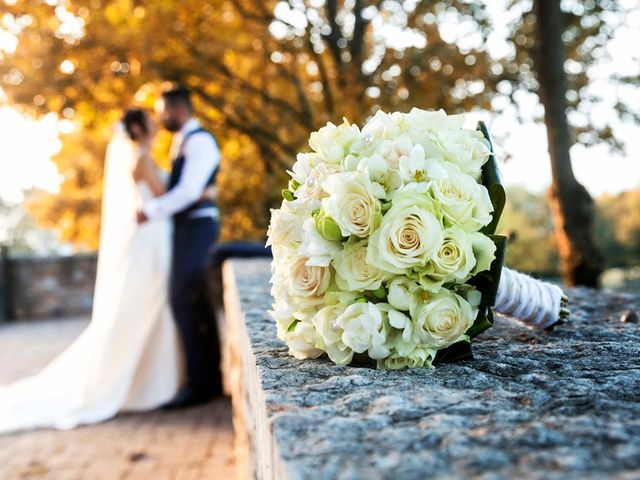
(301, 340)
(363, 329)
(442, 319)
(454, 262)
(330, 334)
(352, 203)
(401, 293)
(307, 280)
(409, 235)
(285, 231)
(353, 272)
(461, 201)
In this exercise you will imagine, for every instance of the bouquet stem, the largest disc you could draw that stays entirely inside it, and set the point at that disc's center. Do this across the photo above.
(536, 303)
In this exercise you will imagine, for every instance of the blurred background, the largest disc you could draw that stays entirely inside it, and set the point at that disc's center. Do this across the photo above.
(556, 82)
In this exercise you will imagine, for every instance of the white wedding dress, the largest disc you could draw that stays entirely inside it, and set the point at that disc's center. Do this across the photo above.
(128, 358)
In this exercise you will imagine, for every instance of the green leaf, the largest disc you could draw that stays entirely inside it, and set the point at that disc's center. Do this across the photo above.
(327, 227)
(294, 184)
(487, 282)
(454, 353)
(483, 322)
(287, 195)
(380, 293)
(293, 325)
(492, 179)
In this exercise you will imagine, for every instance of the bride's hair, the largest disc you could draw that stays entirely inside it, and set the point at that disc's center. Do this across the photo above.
(134, 116)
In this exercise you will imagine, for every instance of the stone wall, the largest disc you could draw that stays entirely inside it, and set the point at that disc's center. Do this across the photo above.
(558, 405)
(51, 286)
(4, 290)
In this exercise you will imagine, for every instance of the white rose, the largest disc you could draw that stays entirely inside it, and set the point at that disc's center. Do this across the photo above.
(336, 296)
(283, 316)
(394, 149)
(462, 202)
(468, 149)
(401, 293)
(352, 203)
(301, 340)
(318, 250)
(307, 281)
(424, 127)
(454, 261)
(443, 138)
(363, 329)
(409, 235)
(329, 333)
(470, 294)
(420, 121)
(420, 356)
(353, 272)
(400, 336)
(484, 251)
(384, 125)
(332, 142)
(442, 319)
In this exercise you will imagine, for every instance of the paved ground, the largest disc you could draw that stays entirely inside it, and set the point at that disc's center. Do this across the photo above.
(194, 443)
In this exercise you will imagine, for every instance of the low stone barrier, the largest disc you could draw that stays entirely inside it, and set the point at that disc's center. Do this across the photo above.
(51, 286)
(554, 405)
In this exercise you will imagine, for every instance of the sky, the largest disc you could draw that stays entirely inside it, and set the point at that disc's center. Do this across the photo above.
(26, 145)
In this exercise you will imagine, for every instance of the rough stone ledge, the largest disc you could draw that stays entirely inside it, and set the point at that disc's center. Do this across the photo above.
(533, 405)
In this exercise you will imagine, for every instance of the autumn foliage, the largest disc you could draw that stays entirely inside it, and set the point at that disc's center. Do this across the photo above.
(266, 73)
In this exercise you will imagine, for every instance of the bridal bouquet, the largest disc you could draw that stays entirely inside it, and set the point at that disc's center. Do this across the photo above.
(384, 245)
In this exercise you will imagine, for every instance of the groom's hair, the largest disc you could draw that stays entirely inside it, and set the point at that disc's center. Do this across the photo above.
(178, 96)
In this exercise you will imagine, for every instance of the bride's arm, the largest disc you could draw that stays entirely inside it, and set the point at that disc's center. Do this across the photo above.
(146, 171)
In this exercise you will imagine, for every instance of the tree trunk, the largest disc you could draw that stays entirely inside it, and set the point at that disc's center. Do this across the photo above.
(572, 206)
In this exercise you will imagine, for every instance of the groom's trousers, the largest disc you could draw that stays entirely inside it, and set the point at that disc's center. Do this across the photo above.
(193, 237)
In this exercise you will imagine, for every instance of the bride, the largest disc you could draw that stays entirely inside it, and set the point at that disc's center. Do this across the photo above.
(128, 358)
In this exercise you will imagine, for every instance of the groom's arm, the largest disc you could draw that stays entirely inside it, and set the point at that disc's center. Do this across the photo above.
(201, 157)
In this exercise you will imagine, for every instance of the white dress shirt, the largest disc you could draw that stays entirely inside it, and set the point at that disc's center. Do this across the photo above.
(201, 157)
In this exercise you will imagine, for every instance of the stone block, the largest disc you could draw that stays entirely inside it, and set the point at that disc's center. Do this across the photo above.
(52, 286)
(539, 405)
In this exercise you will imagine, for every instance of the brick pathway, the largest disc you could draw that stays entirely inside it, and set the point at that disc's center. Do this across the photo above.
(195, 443)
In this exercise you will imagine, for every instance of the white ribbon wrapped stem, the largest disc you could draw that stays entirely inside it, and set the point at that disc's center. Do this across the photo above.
(536, 303)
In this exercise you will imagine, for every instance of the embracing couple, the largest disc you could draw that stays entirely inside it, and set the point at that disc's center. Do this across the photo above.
(152, 340)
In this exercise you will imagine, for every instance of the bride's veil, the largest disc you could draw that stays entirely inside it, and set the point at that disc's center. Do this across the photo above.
(120, 201)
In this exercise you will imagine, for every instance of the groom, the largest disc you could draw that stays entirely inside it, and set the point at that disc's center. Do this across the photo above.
(196, 227)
